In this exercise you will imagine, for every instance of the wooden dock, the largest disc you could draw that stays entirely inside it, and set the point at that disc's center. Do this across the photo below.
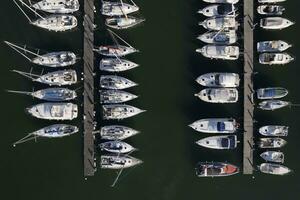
(88, 99)
(248, 87)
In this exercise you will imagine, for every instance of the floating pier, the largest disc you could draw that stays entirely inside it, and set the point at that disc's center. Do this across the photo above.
(248, 87)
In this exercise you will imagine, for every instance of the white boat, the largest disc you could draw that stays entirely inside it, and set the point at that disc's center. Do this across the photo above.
(222, 1)
(274, 169)
(115, 96)
(118, 162)
(273, 104)
(215, 125)
(57, 23)
(219, 37)
(118, 147)
(270, 1)
(123, 22)
(219, 142)
(120, 111)
(215, 169)
(270, 9)
(116, 65)
(220, 23)
(219, 95)
(115, 82)
(271, 143)
(217, 10)
(220, 52)
(272, 46)
(219, 79)
(57, 6)
(271, 93)
(117, 132)
(273, 156)
(273, 130)
(275, 23)
(54, 111)
(275, 58)
(110, 8)
(56, 59)
(116, 50)
(56, 131)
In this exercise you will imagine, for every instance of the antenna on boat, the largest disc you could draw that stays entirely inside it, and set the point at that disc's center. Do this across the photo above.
(119, 38)
(18, 48)
(22, 2)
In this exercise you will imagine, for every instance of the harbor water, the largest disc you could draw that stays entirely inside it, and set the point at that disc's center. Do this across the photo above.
(169, 65)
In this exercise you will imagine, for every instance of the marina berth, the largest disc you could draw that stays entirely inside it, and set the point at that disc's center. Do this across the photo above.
(219, 142)
(274, 130)
(117, 132)
(57, 23)
(220, 52)
(221, 1)
(275, 58)
(217, 10)
(115, 50)
(274, 169)
(271, 93)
(123, 22)
(57, 6)
(220, 23)
(54, 111)
(271, 143)
(118, 147)
(270, 9)
(273, 104)
(219, 37)
(118, 162)
(275, 23)
(120, 111)
(219, 79)
(118, 8)
(116, 65)
(115, 82)
(215, 125)
(272, 46)
(219, 95)
(115, 96)
(273, 156)
(215, 169)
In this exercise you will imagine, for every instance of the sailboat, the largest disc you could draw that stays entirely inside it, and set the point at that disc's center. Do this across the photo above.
(110, 8)
(57, 6)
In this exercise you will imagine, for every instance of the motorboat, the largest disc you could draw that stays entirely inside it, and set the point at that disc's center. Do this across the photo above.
(219, 142)
(272, 46)
(118, 147)
(123, 22)
(56, 131)
(120, 111)
(220, 52)
(116, 65)
(54, 111)
(215, 169)
(222, 1)
(219, 37)
(57, 23)
(219, 79)
(217, 10)
(56, 59)
(274, 169)
(57, 6)
(275, 23)
(275, 58)
(219, 95)
(115, 82)
(274, 130)
(270, 1)
(117, 132)
(273, 104)
(273, 156)
(220, 23)
(115, 50)
(271, 143)
(215, 125)
(271, 93)
(270, 9)
(115, 96)
(50, 94)
(118, 161)
(110, 8)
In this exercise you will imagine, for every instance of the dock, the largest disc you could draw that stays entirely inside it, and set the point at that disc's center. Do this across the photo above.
(88, 93)
(248, 87)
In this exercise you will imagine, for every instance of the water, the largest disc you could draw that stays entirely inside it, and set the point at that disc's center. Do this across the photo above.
(52, 169)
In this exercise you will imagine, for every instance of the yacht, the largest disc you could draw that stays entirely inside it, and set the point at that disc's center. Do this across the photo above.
(118, 161)
(118, 147)
(219, 95)
(57, 6)
(219, 37)
(215, 169)
(271, 143)
(56, 131)
(116, 65)
(117, 132)
(54, 111)
(115, 96)
(275, 58)
(115, 82)
(222, 1)
(270, 9)
(220, 23)
(110, 8)
(272, 46)
(217, 10)
(215, 125)
(123, 22)
(271, 93)
(220, 52)
(56, 59)
(273, 130)
(115, 50)
(57, 23)
(274, 169)
(219, 142)
(273, 104)
(120, 111)
(273, 156)
(219, 79)
(270, 1)
(275, 23)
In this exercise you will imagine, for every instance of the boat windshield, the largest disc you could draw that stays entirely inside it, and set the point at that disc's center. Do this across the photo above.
(224, 9)
(221, 126)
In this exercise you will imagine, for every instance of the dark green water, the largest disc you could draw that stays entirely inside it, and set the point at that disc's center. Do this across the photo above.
(53, 169)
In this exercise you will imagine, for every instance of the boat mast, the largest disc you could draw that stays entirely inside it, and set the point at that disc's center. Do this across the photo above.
(31, 9)
(33, 77)
(29, 137)
(133, 3)
(114, 34)
(16, 48)
(23, 11)
(19, 92)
